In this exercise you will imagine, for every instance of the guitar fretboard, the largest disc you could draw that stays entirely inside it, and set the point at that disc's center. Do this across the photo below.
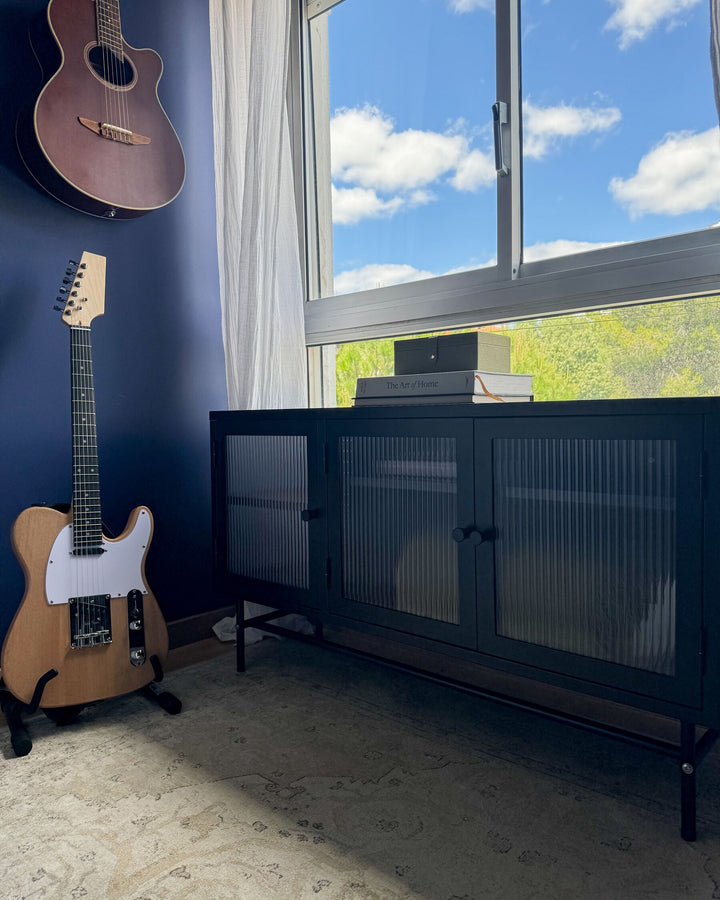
(108, 25)
(87, 519)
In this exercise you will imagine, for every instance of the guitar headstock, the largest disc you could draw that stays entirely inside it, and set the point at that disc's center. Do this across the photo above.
(84, 290)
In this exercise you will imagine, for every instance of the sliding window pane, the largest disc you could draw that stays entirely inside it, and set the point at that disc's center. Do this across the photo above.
(620, 130)
(403, 158)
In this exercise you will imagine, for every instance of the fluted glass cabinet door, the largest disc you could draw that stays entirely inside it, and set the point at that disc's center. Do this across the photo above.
(597, 548)
(274, 511)
(399, 491)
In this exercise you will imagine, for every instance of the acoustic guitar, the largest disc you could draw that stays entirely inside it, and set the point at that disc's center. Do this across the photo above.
(87, 612)
(97, 138)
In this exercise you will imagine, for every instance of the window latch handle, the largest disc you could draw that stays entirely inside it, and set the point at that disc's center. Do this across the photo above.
(500, 118)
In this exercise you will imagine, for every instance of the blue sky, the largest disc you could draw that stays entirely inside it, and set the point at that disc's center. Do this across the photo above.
(621, 131)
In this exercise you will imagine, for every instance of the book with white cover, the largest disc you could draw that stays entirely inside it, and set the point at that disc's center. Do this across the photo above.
(436, 399)
(466, 382)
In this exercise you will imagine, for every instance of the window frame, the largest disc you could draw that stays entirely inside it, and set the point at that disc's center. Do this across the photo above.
(672, 267)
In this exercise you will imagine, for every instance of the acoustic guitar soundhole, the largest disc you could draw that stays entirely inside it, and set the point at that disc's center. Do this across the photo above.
(108, 66)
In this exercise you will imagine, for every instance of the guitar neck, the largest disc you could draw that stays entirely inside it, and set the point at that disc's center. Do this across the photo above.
(108, 25)
(87, 519)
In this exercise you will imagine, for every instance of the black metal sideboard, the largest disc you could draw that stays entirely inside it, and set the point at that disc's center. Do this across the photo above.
(570, 543)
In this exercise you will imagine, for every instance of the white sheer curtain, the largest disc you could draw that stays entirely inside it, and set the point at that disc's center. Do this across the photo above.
(257, 229)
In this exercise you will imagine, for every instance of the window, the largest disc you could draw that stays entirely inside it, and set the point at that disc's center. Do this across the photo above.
(609, 188)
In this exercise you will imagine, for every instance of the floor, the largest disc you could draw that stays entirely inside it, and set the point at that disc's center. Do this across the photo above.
(318, 775)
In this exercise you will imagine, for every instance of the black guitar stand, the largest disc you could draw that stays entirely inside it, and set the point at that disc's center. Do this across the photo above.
(169, 702)
(14, 709)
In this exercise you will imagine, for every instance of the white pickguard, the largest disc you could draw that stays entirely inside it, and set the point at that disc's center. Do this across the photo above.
(115, 572)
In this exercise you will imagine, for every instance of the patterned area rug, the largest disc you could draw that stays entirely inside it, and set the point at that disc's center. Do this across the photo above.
(317, 775)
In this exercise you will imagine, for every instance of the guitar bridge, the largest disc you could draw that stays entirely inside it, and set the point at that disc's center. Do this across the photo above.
(114, 132)
(90, 621)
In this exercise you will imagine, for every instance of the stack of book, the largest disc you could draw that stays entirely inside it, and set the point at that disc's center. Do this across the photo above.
(470, 386)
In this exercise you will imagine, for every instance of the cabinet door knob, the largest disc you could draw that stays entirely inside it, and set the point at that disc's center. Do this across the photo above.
(476, 535)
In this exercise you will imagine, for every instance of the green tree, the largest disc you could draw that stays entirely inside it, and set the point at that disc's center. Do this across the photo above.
(363, 359)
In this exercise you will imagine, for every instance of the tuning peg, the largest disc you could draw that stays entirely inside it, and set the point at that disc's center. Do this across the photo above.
(67, 280)
(58, 308)
(63, 290)
(73, 263)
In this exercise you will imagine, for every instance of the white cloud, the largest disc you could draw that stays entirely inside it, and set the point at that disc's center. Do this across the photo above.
(463, 6)
(349, 205)
(561, 247)
(377, 170)
(635, 19)
(543, 127)
(679, 175)
(377, 275)
(367, 151)
(474, 171)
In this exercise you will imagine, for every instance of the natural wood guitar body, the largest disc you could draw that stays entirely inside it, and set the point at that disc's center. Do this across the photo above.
(122, 173)
(39, 636)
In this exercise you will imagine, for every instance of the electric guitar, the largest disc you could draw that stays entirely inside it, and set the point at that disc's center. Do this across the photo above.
(97, 138)
(87, 613)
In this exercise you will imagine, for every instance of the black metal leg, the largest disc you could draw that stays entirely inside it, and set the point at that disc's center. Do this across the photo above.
(688, 793)
(240, 630)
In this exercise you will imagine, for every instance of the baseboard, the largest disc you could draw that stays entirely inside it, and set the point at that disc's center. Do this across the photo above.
(197, 627)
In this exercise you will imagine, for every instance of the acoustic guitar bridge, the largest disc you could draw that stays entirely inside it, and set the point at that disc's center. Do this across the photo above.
(90, 621)
(114, 132)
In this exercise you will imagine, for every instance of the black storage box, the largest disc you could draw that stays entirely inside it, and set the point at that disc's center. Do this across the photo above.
(466, 351)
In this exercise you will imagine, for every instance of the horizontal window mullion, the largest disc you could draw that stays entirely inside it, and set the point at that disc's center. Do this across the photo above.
(466, 299)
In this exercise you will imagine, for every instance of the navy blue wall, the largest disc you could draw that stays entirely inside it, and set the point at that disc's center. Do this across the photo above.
(158, 353)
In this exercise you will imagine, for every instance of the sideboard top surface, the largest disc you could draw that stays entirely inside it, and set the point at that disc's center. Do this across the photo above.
(636, 407)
